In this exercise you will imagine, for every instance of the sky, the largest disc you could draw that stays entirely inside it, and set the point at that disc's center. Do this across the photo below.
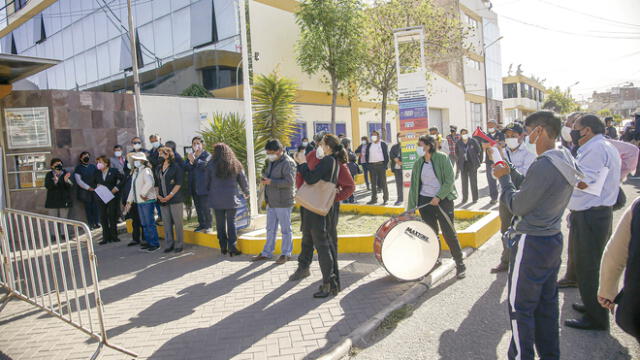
(593, 42)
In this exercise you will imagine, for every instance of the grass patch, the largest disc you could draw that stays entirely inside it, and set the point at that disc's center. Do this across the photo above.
(391, 321)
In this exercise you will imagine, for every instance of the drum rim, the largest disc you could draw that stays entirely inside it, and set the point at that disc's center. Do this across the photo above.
(409, 218)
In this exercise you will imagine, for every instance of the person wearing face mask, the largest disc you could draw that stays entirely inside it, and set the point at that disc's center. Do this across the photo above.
(118, 161)
(377, 156)
(610, 131)
(136, 147)
(109, 212)
(536, 239)
(279, 180)
(58, 202)
(469, 156)
(154, 140)
(494, 134)
(169, 180)
(85, 178)
(143, 196)
(452, 139)
(432, 183)
(395, 154)
(178, 159)
(345, 188)
(591, 216)
(361, 152)
(352, 164)
(519, 159)
(196, 164)
(137, 231)
(317, 230)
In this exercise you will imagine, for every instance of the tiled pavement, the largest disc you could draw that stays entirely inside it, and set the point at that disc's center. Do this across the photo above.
(200, 305)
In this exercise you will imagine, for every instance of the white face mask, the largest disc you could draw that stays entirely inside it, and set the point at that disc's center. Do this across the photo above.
(272, 157)
(305, 143)
(465, 137)
(117, 153)
(512, 143)
(374, 138)
(531, 147)
(566, 133)
(420, 151)
(137, 164)
(196, 147)
(492, 130)
(155, 144)
(319, 152)
(137, 146)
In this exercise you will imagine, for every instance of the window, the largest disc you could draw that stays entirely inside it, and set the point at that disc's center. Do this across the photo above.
(19, 4)
(26, 171)
(476, 114)
(203, 23)
(219, 77)
(39, 34)
(471, 21)
(523, 90)
(510, 91)
(472, 63)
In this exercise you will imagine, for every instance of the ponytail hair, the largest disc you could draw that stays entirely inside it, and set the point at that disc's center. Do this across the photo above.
(339, 152)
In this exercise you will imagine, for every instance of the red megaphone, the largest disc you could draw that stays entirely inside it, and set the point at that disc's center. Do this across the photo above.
(480, 134)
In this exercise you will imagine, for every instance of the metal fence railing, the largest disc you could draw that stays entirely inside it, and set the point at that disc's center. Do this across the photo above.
(50, 263)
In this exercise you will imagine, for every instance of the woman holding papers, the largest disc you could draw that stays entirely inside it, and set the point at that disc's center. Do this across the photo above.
(108, 183)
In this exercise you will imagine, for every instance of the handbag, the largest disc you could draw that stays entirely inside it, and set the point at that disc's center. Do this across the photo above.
(319, 197)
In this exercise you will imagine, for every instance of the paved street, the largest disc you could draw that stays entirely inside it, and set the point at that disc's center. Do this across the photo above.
(468, 319)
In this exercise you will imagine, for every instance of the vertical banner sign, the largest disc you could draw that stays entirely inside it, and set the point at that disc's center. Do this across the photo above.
(412, 100)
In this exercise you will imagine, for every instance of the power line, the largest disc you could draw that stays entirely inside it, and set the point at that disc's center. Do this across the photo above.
(570, 32)
(589, 15)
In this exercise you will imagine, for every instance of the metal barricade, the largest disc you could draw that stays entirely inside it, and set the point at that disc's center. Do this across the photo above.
(45, 262)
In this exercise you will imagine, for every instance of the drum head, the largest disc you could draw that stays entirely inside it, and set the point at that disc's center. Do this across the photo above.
(410, 250)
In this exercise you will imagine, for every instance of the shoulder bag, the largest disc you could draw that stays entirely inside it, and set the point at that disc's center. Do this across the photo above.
(319, 197)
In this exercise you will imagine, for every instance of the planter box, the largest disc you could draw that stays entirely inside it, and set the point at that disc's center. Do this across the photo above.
(253, 242)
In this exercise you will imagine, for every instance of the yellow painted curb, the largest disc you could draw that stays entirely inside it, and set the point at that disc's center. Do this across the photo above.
(359, 179)
(473, 236)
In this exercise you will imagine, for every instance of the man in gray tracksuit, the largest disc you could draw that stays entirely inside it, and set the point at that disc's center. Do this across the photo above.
(536, 239)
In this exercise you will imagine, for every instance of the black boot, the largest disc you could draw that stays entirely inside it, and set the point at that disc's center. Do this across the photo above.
(461, 270)
(325, 290)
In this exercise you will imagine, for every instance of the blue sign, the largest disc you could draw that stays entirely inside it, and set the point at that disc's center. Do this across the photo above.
(300, 133)
(377, 127)
(341, 128)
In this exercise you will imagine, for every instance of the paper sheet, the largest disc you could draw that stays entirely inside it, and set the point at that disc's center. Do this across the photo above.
(104, 194)
(595, 188)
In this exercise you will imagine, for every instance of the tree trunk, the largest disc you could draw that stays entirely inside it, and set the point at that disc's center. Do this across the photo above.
(383, 122)
(334, 98)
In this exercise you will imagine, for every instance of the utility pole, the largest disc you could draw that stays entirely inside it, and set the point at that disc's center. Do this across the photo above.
(136, 77)
(248, 112)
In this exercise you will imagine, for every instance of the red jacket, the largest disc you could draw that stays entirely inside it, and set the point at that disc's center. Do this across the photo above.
(346, 186)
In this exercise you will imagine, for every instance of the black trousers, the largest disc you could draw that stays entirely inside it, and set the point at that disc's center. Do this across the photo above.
(366, 174)
(590, 231)
(434, 217)
(109, 214)
(469, 176)
(399, 188)
(317, 233)
(226, 228)
(202, 210)
(493, 184)
(378, 179)
(505, 222)
(135, 223)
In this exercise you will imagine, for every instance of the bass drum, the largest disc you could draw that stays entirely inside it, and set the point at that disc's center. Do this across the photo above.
(406, 247)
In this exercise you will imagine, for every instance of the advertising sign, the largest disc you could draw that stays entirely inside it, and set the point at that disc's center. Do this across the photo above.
(27, 127)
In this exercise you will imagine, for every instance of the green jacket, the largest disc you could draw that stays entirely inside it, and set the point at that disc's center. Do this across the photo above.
(444, 173)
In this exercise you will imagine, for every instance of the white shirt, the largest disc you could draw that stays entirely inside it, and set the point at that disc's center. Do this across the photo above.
(375, 152)
(429, 182)
(595, 155)
(520, 158)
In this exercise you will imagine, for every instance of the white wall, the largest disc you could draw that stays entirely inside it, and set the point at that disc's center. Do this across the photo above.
(179, 118)
(449, 98)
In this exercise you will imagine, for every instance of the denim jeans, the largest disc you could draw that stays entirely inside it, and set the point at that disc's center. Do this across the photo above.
(145, 211)
(277, 216)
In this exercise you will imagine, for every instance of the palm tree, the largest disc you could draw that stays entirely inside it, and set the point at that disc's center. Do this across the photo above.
(273, 110)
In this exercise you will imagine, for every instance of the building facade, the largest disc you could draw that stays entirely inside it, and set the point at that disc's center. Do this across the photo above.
(621, 100)
(522, 96)
(182, 42)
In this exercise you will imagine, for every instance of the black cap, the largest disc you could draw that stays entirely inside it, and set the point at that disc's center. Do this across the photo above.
(513, 127)
(453, 128)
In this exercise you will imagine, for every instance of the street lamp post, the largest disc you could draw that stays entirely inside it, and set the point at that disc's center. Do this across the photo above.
(134, 67)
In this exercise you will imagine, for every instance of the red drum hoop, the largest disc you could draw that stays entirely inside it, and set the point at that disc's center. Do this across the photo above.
(406, 247)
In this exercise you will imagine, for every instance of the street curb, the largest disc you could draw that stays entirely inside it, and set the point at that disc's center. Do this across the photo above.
(358, 336)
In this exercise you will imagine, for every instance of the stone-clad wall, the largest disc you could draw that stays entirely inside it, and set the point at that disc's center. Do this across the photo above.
(80, 121)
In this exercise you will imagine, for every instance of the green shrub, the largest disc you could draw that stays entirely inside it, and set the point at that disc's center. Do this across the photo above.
(196, 90)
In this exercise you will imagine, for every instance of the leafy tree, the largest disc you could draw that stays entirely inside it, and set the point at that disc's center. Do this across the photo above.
(444, 35)
(273, 110)
(617, 118)
(196, 90)
(330, 42)
(560, 101)
(231, 129)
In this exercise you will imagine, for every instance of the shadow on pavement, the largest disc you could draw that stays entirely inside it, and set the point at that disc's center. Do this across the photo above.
(242, 329)
(478, 335)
